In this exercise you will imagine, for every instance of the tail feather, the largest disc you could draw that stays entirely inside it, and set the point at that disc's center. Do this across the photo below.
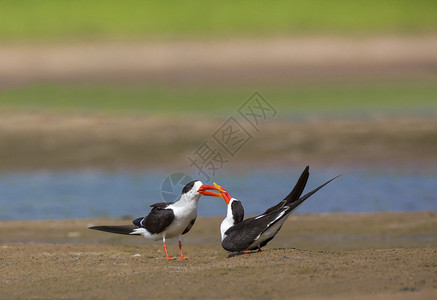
(294, 194)
(299, 187)
(123, 229)
(294, 205)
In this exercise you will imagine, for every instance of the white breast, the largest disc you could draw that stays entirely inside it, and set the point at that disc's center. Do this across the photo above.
(183, 216)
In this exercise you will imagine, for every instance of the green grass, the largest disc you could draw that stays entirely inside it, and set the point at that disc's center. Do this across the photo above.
(404, 98)
(80, 19)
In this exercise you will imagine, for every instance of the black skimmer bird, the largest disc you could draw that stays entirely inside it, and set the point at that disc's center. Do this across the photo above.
(167, 219)
(253, 233)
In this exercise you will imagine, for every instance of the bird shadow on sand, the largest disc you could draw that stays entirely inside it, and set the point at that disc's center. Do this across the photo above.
(233, 254)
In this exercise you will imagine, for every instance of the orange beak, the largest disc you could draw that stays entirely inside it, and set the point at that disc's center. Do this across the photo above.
(204, 191)
(224, 194)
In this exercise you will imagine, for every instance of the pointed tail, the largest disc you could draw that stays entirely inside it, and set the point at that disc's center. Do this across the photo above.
(299, 187)
(294, 194)
(295, 204)
(123, 229)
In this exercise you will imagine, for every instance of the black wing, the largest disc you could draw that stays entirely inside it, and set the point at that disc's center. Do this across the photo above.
(158, 219)
(240, 236)
(292, 206)
(265, 242)
(161, 204)
(189, 226)
(294, 194)
(155, 222)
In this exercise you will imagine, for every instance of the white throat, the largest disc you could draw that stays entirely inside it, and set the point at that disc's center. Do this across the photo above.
(191, 197)
(188, 199)
(228, 222)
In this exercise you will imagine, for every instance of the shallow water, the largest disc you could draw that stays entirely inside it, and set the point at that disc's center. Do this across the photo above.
(89, 194)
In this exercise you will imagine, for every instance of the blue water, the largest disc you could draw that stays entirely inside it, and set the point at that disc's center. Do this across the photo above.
(89, 194)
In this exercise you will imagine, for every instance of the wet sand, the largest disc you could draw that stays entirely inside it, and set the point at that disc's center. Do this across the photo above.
(317, 256)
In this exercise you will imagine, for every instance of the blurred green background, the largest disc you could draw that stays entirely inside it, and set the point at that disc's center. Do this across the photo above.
(30, 24)
(341, 100)
(65, 20)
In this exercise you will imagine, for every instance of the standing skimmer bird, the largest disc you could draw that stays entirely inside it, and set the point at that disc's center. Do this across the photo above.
(167, 219)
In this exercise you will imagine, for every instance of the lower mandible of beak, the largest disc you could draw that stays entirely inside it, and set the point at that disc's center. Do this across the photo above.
(208, 193)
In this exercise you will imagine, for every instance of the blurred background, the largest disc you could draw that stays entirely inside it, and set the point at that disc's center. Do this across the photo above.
(107, 106)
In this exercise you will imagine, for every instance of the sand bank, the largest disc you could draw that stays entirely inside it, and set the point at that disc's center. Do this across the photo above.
(329, 256)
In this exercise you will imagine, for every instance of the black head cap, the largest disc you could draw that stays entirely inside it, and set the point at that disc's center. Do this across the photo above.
(237, 211)
(188, 186)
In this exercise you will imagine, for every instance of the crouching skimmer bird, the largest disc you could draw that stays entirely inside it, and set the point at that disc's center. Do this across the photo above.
(254, 233)
(167, 219)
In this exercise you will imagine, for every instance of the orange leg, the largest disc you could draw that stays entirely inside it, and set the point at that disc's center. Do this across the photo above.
(165, 249)
(180, 249)
(247, 251)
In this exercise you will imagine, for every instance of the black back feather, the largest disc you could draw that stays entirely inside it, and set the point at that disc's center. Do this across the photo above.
(158, 219)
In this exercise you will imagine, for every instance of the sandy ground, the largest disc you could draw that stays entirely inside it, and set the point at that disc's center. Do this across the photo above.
(234, 61)
(39, 141)
(328, 256)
